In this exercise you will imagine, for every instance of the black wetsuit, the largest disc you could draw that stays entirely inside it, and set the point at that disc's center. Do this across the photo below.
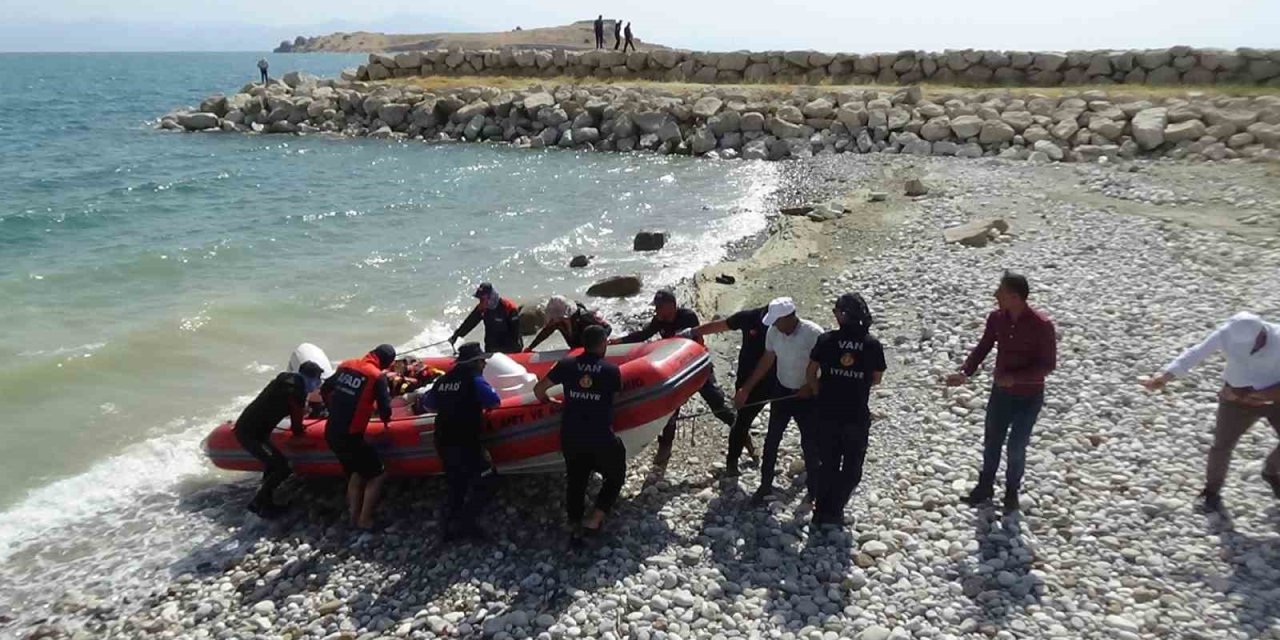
(286, 395)
(710, 392)
(599, 26)
(586, 431)
(751, 323)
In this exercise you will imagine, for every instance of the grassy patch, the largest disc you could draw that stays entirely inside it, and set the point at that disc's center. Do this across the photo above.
(513, 83)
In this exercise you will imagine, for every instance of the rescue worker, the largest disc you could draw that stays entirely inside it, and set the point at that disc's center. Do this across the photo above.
(843, 366)
(569, 318)
(586, 430)
(599, 29)
(669, 319)
(352, 393)
(285, 395)
(501, 319)
(750, 322)
(459, 399)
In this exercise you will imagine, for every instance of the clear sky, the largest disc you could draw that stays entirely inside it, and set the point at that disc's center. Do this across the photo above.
(836, 25)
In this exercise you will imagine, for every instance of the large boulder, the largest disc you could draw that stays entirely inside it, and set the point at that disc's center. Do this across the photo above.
(707, 107)
(820, 108)
(995, 132)
(966, 127)
(579, 261)
(538, 100)
(198, 121)
(975, 233)
(1188, 130)
(649, 121)
(1148, 127)
(393, 114)
(702, 141)
(650, 240)
(616, 287)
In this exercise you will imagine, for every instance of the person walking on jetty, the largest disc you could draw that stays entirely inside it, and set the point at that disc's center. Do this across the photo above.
(262, 69)
(1027, 352)
(617, 34)
(285, 395)
(352, 393)
(628, 43)
(750, 322)
(669, 319)
(599, 29)
(787, 346)
(586, 430)
(1250, 392)
(459, 399)
(843, 366)
(571, 319)
(501, 319)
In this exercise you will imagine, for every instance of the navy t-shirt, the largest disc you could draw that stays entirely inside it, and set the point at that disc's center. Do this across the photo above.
(848, 364)
(751, 323)
(589, 384)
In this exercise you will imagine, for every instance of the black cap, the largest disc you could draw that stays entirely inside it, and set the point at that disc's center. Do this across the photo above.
(471, 352)
(311, 369)
(664, 295)
(483, 290)
(386, 355)
(854, 305)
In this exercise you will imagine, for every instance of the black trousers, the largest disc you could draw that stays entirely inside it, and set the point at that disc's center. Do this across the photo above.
(714, 397)
(740, 433)
(781, 412)
(843, 441)
(469, 478)
(264, 75)
(599, 40)
(275, 465)
(610, 461)
(630, 44)
(617, 41)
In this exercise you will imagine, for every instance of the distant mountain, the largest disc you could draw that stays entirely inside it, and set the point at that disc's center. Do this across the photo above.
(578, 35)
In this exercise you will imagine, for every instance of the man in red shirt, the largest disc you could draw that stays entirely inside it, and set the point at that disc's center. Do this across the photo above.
(1027, 351)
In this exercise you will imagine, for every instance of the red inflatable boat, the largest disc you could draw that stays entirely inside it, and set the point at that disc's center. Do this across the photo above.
(522, 435)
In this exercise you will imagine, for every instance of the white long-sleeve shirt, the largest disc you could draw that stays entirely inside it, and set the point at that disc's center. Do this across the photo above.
(1236, 339)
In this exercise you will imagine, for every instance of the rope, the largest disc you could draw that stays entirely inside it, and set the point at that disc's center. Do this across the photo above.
(428, 346)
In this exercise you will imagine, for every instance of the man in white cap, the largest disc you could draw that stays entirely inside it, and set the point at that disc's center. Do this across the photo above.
(787, 345)
(1250, 391)
(571, 319)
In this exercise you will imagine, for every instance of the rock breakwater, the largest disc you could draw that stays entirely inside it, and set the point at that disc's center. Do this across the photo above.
(741, 122)
(969, 67)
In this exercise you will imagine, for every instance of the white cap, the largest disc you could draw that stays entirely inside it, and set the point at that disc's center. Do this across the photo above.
(779, 308)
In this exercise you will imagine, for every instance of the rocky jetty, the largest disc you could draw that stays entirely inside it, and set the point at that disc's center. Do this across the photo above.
(969, 67)
(752, 123)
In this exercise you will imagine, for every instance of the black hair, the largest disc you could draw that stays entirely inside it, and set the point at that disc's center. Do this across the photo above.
(594, 337)
(1016, 283)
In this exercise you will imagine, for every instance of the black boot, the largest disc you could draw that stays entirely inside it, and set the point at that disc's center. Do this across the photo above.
(1210, 502)
(1011, 503)
(980, 495)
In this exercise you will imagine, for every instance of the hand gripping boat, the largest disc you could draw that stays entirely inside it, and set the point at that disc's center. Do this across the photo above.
(522, 435)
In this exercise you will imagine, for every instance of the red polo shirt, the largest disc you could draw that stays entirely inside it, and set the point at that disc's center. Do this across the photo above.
(1027, 352)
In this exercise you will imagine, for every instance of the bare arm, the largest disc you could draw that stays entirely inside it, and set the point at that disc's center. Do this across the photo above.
(811, 377)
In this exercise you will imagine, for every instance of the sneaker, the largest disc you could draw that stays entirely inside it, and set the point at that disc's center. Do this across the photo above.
(979, 495)
(1011, 503)
(761, 496)
(1274, 481)
(1210, 502)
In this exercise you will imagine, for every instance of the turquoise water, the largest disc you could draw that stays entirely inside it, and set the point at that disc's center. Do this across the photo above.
(153, 281)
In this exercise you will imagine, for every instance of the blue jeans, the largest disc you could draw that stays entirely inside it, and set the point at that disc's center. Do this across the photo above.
(1010, 416)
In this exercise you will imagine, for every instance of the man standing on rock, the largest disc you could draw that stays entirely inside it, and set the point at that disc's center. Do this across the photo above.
(501, 319)
(352, 393)
(617, 34)
(285, 395)
(599, 27)
(843, 366)
(1027, 352)
(1250, 392)
(628, 43)
(586, 429)
(669, 319)
(459, 399)
(788, 344)
(751, 323)
(262, 69)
